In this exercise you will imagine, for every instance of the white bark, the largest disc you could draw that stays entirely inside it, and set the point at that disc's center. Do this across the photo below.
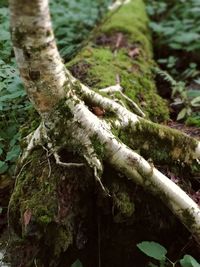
(118, 3)
(117, 88)
(38, 59)
(129, 119)
(85, 125)
(139, 170)
(46, 80)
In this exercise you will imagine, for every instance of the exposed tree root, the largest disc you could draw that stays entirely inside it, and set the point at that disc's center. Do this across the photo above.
(180, 147)
(67, 165)
(85, 130)
(68, 124)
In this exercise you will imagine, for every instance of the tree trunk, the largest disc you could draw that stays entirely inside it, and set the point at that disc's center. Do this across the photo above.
(82, 189)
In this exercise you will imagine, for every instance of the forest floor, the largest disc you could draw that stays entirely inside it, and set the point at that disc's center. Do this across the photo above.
(177, 102)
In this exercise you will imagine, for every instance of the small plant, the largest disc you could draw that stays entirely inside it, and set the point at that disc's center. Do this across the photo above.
(176, 23)
(77, 263)
(170, 62)
(157, 252)
(188, 100)
(191, 71)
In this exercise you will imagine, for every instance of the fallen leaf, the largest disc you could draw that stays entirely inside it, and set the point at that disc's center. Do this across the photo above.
(99, 112)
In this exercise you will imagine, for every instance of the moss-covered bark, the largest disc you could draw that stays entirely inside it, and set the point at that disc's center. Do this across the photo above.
(162, 145)
(47, 210)
(59, 214)
(123, 48)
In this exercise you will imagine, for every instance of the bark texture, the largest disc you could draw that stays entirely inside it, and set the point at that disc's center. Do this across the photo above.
(39, 62)
(74, 195)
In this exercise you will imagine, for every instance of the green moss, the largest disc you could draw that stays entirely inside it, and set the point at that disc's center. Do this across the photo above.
(38, 191)
(160, 144)
(98, 147)
(188, 218)
(135, 73)
(64, 110)
(123, 203)
(63, 240)
(124, 207)
(41, 199)
(33, 120)
(193, 121)
(132, 20)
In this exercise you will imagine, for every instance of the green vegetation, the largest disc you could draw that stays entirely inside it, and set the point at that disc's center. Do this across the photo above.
(42, 205)
(176, 23)
(157, 252)
(177, 45)
(71, 30)
(73, 20)
(188, 100)
(13, 103)
(77, 263)
(45, 195)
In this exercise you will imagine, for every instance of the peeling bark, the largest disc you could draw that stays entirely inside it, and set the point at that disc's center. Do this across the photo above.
(69, 125)
(39, 62)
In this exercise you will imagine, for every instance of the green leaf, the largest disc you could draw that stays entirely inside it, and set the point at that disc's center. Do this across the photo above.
(197, 81)
(196, 101)
(189, 261)
(77, 263)
(4, 35)
(182, 114)
(3, 167)
(186, 38)
(13, 153)
(153, 250)
(193, 93)
(13, 95)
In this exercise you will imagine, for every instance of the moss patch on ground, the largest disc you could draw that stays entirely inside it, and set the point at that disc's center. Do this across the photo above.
(122, 49)
(38, 203)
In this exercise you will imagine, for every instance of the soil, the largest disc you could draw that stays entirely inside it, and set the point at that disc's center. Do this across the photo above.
(190, 130)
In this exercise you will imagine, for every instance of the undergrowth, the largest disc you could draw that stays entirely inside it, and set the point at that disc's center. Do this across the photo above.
(159, 257)
(177, 46)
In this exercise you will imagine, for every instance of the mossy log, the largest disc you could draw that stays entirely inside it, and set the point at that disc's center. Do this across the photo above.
(58, 214)
(122, 52)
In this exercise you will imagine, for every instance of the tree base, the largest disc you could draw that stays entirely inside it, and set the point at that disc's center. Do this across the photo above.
(66, 215)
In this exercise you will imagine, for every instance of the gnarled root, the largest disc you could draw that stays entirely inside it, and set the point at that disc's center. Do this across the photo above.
(76, 126)
(178, 147)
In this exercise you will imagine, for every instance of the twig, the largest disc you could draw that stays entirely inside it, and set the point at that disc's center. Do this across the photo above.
(64, 164)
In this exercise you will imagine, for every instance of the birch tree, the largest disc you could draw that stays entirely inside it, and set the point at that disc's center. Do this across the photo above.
(68, 123)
